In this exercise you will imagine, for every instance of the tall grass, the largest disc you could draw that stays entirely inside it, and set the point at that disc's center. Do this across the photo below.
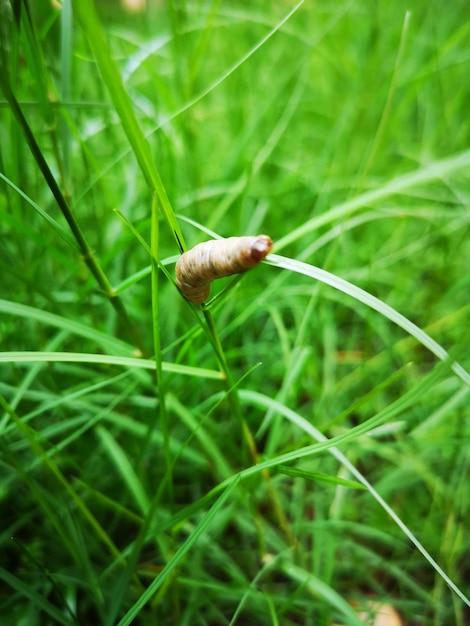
(299, 445)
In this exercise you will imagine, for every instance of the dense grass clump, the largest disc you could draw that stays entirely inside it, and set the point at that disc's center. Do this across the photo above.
(295, 451)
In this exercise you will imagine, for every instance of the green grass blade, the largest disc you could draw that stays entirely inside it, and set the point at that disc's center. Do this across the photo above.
(308, 428)
(320, 590)
(36, 599)
(50, 220)
(66, 56)
(436, 169)
(89, 21)
(108, 342)
(85, 249)
(180, 554)
(371, 301)
(35, 443)
(223, 77)
(124, 467)
(129, 362)
(325, 478)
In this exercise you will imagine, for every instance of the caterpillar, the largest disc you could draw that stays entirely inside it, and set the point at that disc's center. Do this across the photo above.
(196, 268)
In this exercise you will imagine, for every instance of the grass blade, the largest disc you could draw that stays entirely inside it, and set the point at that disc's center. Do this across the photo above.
(89, 21)
(371, 301)
(180, 554)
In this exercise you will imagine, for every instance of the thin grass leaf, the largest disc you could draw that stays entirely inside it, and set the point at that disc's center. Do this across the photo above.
(108, 342)
(89, 21)
(325, 478)
(66, 56)
(35, 61)
(124, 467)
(162, 414)
(374, 303)
(318, 436)
(36, 445)
(208, 445)
(50, 220)
(232, 69)
(437, 169)
(36, 599)
(325, 444)
(180, 554)
(319, 589)
(129, 362)
(30, 377)
(82, 242)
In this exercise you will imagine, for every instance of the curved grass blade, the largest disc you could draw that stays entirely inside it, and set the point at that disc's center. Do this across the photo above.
(437, 169)
(374, 303)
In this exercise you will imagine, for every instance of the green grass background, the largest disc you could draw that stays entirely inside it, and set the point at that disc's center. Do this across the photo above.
(297, 447)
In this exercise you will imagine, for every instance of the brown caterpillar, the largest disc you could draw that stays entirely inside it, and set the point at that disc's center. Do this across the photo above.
(196, 268)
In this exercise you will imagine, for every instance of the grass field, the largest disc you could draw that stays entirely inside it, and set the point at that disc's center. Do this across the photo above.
(299, 446)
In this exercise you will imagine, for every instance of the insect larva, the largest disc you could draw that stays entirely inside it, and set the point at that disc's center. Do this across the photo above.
(196, 268)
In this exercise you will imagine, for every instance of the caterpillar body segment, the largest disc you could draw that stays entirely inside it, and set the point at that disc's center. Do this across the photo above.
(198, 267)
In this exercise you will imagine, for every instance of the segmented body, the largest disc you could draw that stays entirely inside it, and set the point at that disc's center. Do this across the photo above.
(196, 268)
